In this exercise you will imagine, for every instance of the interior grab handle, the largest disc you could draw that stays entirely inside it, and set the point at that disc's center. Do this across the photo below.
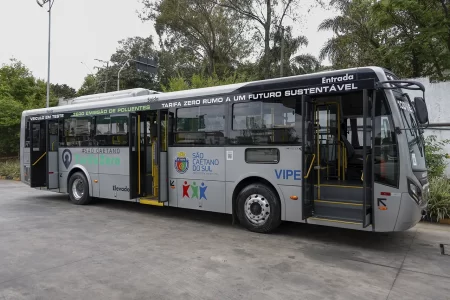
(310, 166)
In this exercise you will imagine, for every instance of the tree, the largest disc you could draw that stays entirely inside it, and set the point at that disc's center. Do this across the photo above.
(293, 63)
(211, 34)
(408, 37)
(62, 91)
(130, 77)
(355, 37)
(265, 14)
(197, 81)
(19, 90)
(89, 86)
(415, 33)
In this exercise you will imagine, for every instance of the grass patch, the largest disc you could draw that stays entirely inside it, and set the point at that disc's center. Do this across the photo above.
(439, 200)
(10, 169)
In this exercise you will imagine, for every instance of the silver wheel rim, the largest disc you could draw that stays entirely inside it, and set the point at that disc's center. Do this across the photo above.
(257, 209)
(77, 189)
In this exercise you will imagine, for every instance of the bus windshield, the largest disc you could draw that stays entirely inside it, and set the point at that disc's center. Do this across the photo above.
(412, 130)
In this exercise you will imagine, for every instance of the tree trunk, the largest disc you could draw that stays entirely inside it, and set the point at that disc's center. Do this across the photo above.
(416, 72)
(211, 63)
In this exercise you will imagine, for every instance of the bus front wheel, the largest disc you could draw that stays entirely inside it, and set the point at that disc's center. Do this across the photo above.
(258, 208)
(79, 189)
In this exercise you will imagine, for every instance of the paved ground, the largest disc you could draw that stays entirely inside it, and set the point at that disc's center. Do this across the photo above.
(51, 249)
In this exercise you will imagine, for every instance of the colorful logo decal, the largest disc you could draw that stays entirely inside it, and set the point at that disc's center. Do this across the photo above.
(195, 189)
(181, 163)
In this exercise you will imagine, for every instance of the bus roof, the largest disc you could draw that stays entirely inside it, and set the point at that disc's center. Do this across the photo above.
(148, 97)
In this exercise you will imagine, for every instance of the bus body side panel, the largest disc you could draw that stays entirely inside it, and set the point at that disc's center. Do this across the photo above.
(409, 214)
(114, 173)
(25, 165)
(197, 177)
(285, 175)
(385, 217)
(70, 158)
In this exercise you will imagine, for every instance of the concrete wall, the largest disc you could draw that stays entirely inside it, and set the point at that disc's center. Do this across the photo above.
(437, 96)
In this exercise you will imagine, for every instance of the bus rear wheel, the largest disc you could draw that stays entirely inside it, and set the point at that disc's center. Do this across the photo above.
(259, 208)
(79, 189)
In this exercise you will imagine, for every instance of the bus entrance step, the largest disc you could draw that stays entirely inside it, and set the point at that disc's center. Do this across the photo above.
(336, 219)
(340, 193)
(151, 201)
(341, 210)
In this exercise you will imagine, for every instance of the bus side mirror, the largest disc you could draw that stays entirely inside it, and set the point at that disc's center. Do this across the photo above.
(421, 110)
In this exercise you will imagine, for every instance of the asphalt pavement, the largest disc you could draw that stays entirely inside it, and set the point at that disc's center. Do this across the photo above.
(52, 249)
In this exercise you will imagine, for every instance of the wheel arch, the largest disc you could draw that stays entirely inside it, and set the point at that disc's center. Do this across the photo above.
(250, 179)
(80, 168)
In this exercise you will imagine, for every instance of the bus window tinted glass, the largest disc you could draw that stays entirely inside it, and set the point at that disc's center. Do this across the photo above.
(27, 134)
(111, 131)
(262, 123)
(78, 132)
(203, 125)
(386, 165)
(262, 156)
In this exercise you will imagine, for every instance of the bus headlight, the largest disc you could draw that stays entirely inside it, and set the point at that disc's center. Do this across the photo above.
(414, 191)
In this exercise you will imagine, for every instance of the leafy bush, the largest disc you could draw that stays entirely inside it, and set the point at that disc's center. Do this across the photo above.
(439, 200)
(435, 156)
(10, 169)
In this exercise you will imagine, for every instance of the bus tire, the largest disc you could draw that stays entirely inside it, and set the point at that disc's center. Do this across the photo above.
(79, 189)
(258, 208)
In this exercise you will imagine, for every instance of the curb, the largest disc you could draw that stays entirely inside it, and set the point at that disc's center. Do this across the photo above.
(444, 221)
(9, 178)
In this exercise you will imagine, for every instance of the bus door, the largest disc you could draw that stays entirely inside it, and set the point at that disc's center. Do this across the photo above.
(52, 154)
(38, 152)
(308, 157)
(163, 140)
(148, 155)
(134, 155)
(368, 146)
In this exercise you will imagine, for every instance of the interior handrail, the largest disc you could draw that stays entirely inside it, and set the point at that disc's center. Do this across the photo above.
(310, 166)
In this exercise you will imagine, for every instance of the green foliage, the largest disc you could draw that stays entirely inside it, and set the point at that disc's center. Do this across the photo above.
(10, 169)
(439, 199)
(106, 77)
(89, 86)
(435, 156)
(62, 91)
(409, 37)
(212, 34)
(197, 81)
(19, 90)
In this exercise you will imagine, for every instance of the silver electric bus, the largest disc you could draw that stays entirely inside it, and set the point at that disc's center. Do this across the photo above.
(338, 148)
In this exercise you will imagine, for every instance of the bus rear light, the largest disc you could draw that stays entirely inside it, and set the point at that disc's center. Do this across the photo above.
(294, 197)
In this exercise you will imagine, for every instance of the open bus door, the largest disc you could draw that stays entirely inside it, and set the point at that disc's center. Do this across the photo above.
(163, 140)
(134, 155)
(52, 154)
(44, 140)
(148, 156)
(308, 157)
(38, 152)
(368, 146)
